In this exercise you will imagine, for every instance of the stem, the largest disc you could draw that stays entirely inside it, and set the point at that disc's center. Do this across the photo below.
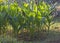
(48, 28)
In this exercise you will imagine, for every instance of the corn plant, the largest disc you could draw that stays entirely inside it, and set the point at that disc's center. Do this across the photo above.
(29, 16)
(3, 19)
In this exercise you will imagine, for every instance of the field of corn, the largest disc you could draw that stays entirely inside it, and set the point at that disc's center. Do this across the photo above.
(29, 22)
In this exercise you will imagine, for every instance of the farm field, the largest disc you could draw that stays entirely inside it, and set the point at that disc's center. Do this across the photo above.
(30, 22)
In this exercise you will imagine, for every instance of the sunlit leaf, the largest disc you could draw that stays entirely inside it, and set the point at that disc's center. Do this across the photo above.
(26, 4)
(35, 8)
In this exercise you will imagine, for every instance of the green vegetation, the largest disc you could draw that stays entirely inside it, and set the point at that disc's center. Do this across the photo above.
(29, 22)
